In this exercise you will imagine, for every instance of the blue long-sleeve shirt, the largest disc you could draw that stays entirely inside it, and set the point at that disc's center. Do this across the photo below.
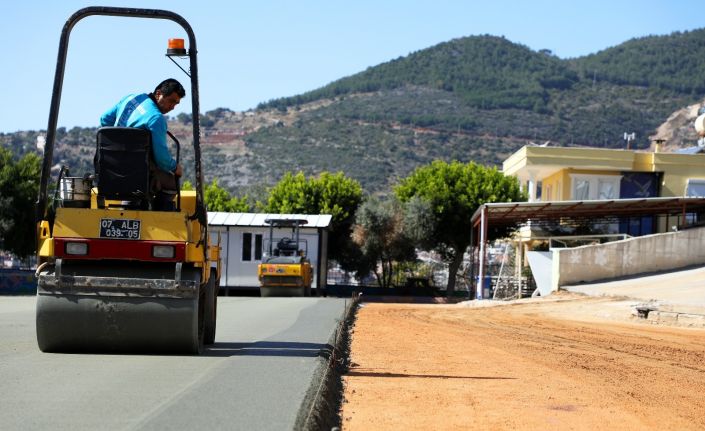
(140, 111)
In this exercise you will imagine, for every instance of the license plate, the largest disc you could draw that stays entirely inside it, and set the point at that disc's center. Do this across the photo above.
(118, 228)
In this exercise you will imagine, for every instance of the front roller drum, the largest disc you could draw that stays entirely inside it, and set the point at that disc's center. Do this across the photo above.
(72, 323)
(83, 307)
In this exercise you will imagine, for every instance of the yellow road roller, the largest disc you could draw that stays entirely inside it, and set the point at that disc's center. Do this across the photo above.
(285, 269)
(117, 273)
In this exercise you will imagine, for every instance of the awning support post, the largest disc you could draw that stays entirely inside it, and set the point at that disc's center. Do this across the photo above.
(483, 240)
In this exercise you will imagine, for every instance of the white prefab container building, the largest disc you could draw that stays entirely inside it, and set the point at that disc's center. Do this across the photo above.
(244, 237)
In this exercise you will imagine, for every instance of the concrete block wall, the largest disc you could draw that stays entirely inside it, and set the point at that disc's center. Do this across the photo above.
(644, 254)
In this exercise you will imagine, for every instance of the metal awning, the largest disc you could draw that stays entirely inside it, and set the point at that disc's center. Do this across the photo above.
(543, 213)
(517, 213)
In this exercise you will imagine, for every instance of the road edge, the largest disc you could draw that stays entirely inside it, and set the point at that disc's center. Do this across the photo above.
(320, 409)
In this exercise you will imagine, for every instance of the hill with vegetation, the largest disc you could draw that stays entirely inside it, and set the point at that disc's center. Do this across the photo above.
(476, 99)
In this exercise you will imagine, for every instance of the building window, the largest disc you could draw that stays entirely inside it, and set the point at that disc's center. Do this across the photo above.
(581, 189)
(258, 246)
(246, 246)
(695, 188)
(607, 189)
(591, 187)
(249, 247)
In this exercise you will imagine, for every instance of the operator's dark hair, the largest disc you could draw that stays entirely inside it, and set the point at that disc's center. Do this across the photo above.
(169, 86)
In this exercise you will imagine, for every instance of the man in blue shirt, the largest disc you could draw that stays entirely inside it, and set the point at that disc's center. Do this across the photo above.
(146, 111)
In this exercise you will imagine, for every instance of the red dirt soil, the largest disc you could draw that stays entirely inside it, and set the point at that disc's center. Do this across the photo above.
(558, 365)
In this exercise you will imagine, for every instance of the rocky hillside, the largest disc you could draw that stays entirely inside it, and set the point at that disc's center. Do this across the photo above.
(476, 98)
(677, 131)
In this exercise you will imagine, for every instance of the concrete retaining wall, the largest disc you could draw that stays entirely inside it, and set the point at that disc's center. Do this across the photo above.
(644, 254)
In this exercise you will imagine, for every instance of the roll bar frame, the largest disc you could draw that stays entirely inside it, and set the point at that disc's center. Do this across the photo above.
(42, 207)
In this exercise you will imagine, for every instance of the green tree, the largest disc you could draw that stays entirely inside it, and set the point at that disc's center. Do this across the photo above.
(454, 191)
(219, 199)
(381, 234)
(19, 188)
(333, 194)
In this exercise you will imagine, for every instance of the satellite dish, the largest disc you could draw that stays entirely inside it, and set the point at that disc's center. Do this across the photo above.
(700, 125)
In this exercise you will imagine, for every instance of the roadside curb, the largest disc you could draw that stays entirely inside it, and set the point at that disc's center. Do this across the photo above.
(320, 409)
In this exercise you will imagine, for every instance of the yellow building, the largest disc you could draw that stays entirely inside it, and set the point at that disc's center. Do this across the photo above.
(569, 173)
(580, 196)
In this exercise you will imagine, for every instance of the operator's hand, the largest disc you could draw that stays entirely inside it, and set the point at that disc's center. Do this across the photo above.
(178, 171)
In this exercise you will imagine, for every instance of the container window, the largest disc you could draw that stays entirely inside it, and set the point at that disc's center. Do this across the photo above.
(246, 246)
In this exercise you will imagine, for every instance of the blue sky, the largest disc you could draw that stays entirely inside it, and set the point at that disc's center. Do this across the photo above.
(252, 51)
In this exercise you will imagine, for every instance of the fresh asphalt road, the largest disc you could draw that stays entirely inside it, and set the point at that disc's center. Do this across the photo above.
(254, 377)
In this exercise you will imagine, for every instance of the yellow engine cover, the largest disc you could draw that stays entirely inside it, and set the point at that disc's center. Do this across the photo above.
(155, 225)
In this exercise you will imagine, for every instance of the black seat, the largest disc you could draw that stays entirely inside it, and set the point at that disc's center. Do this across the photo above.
(287, 246)
(122, 166)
